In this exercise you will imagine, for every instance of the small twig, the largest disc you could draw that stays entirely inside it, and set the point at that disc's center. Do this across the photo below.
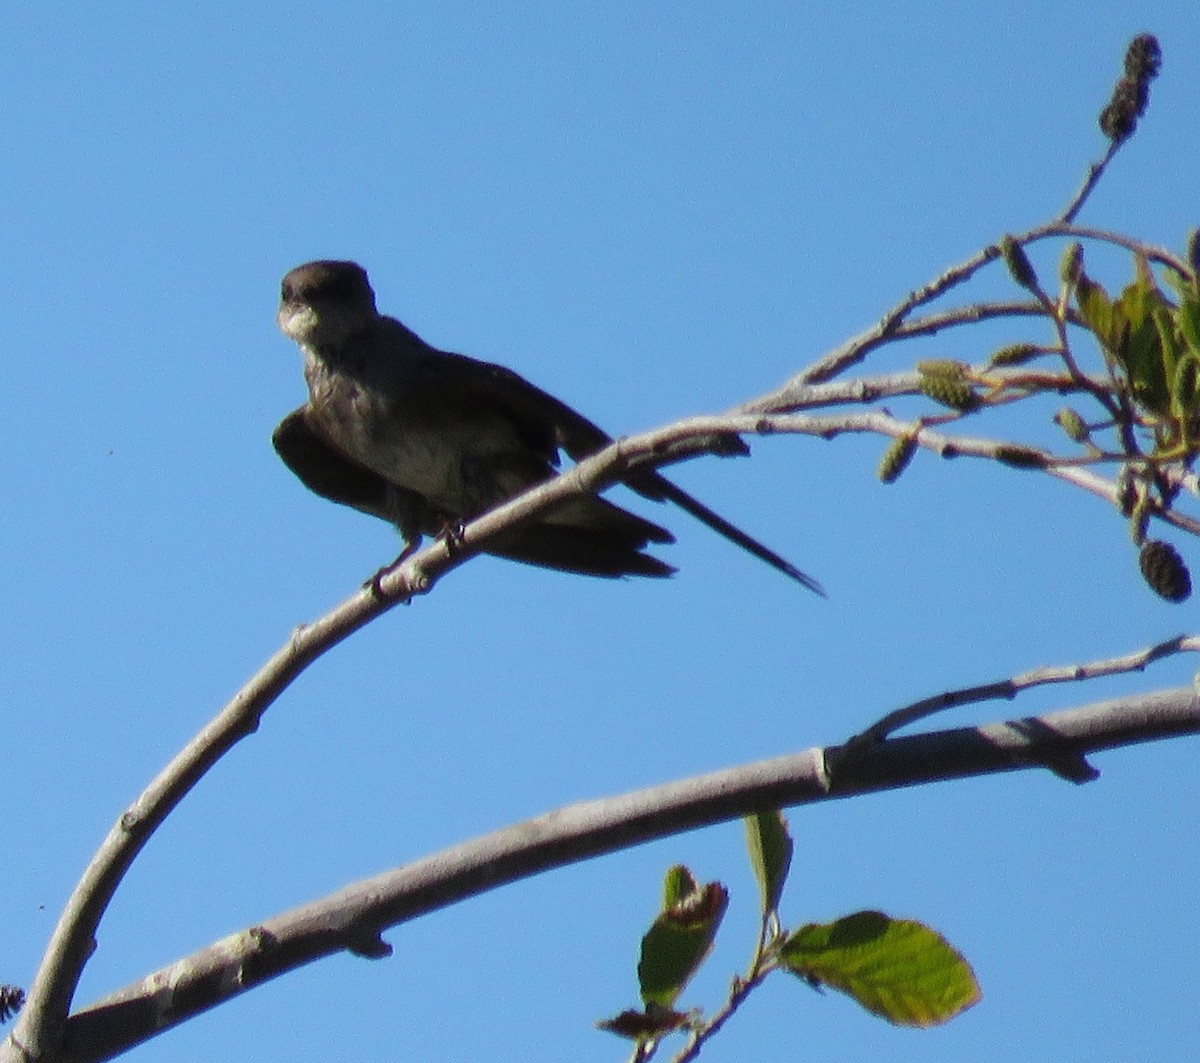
(739, 989)
(738, 992)
(894, 325)
(1161, 256)
(1094, 173)
(1007, 689)
(1068, 469)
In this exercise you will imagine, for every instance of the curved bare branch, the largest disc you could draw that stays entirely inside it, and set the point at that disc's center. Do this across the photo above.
(353, 918)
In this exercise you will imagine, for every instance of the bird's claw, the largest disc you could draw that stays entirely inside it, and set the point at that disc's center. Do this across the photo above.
(453, 534)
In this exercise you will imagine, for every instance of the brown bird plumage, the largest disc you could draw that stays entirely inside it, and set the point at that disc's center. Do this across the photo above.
(427, 439)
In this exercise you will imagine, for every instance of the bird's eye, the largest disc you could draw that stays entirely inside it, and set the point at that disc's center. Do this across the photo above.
(285, 294)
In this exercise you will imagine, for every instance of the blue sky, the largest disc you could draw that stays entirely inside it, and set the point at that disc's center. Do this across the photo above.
(651, 213)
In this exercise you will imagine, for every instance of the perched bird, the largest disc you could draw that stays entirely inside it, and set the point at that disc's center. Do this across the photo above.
(427, 439)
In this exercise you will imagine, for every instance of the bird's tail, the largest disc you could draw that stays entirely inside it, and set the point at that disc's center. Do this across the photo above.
(663, 488)
(590, 536)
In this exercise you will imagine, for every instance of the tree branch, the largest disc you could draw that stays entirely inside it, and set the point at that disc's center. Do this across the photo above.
(41, 1023)
(352, 919)
(1007, 689)
(893, 323)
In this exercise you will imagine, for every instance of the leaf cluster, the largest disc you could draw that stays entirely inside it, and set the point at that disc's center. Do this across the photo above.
(898, 969)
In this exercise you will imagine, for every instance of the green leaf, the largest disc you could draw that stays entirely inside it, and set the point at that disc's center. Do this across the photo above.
(680, 938)
(1185, 391)
(1187, 317)
(770, 848)
(1168, 339)
(1147, 358)
(1131, 332)
(898, 969)
(1180, 283)
(1095, 308)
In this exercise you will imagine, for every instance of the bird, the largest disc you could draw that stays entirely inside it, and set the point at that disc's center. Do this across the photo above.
(428, 439)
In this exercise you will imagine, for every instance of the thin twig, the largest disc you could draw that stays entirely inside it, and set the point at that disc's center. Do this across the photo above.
(892, 325)
(738, 992)
(1007, 689)
(1094, 173)
(945, 445)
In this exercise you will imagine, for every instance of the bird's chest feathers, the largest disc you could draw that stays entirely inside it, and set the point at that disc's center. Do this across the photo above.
(385, 426)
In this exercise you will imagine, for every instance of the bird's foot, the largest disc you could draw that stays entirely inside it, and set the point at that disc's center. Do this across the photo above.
(452, 534)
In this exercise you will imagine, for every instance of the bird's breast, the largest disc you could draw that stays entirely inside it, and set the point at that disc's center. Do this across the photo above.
(395, 435)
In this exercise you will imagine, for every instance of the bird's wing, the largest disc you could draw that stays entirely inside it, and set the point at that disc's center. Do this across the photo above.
(547, 424)
(483, 391)
(326, 471)
(543, 423)
(609, 545)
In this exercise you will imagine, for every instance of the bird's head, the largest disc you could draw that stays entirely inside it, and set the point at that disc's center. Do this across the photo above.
(324, 303)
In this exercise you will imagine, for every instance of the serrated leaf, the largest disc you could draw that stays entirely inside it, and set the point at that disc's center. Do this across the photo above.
(770, 847)
(680, 938)
(897, 969)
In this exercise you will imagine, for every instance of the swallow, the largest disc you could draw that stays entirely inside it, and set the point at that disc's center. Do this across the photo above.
(427, 439)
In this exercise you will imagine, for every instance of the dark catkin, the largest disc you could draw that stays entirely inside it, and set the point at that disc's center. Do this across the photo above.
(1164, 570)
